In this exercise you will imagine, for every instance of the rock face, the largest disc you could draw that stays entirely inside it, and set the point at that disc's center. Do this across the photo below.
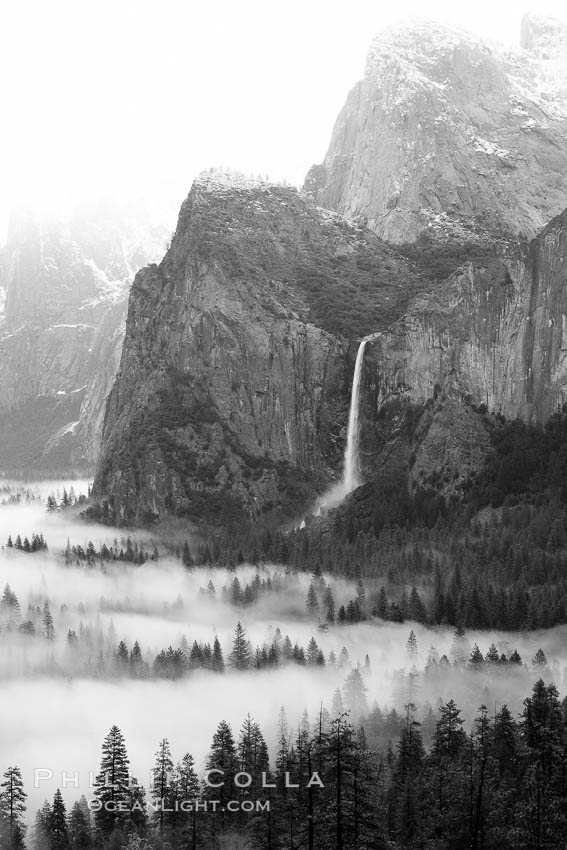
(448, 142)
(494, 334)
(64, 288)
(444, 128)
(491, 339)
(234, 384)
(233, 389)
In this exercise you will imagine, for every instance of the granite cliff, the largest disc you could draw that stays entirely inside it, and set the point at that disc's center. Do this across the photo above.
(233, 388)
(234, 384)
(495, 332)
(491, 339)
(63, 297)
(444, 127)
(448, 142)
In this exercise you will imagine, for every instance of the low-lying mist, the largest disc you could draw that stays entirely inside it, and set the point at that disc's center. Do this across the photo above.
(63, 685)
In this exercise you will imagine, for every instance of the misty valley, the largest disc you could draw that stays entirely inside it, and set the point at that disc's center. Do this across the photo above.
(279, 664)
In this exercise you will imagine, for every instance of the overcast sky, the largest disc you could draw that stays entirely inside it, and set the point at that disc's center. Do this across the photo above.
(139, 96)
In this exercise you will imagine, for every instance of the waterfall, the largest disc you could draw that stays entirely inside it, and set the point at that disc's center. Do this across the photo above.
(351, 475)
(351, 472)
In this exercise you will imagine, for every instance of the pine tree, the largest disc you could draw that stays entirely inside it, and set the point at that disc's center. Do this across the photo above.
(286, 815)
(450, 737)
(236, 595)
(122, 660)
(416, 608)
(492, 656)
(10, 606)
(41, 828)
(404, 797)
(411, 647)
(59, 836)
(13, 806)
(186, 787)
(311, 602)
(539, 661)
(240, 656)
(381, 607)
(218, 660)
(137, 807)
(542, 725)
(222, 762)
(161, 784)
(48, 626)
(505, 741)
(476, 658)
(80, 827)
(186, 781)
(338, 746)
(312, 652)
(253, 754)
(9, 599)
(136, 661)
(112, 784)
(355, 694)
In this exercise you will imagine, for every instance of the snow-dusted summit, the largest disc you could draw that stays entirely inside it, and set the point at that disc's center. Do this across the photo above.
(444, 124)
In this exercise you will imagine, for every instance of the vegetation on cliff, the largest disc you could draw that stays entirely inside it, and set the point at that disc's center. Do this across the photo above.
(437, 256)
(495, 559)
(334, 272)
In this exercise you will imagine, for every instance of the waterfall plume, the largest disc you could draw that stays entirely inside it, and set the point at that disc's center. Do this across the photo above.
(351, 475)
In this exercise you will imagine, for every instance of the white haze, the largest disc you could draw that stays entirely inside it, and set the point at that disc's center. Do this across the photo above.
(134, 98)
(54, 716)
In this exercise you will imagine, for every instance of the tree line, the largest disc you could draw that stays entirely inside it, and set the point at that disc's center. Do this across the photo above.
(504, 570)
(500, 785)
(36, 544)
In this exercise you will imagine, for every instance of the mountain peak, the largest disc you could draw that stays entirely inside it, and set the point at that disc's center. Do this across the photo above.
(543, 36)
(421, 40)
(444, 124)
